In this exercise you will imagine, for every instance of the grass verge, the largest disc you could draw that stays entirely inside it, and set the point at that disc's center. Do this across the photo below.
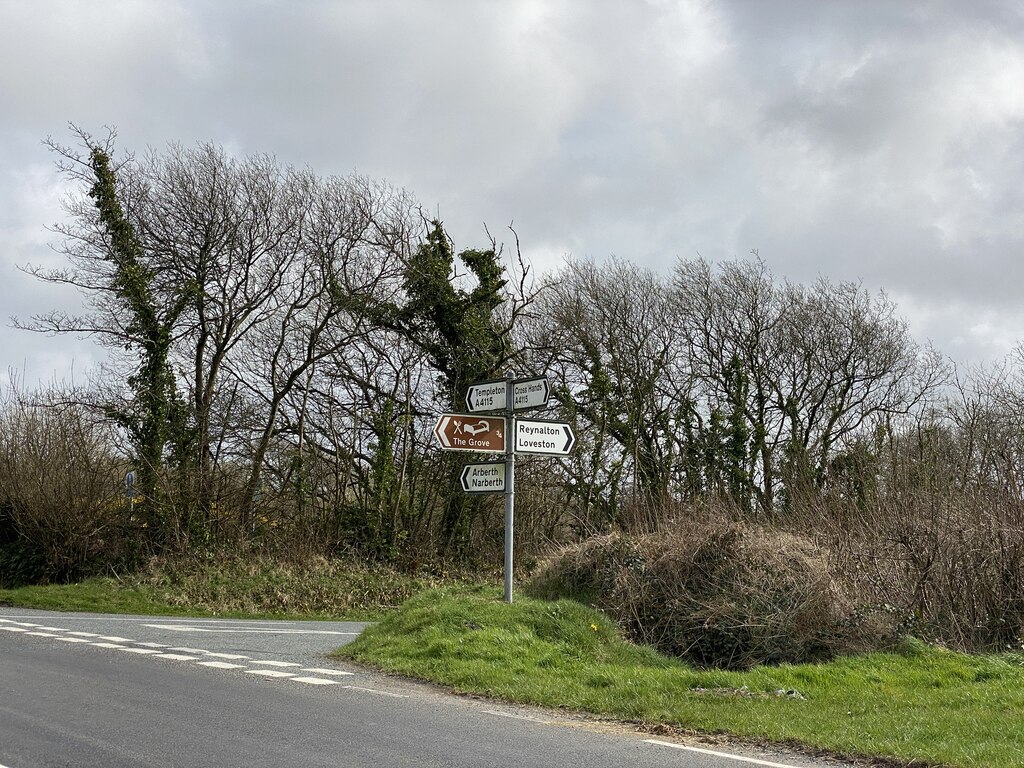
(249, 587)
(920, 706)
(97, 595)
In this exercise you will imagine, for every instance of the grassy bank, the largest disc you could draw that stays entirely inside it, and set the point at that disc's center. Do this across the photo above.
(99, 595)
(921, 704)
(256, 587)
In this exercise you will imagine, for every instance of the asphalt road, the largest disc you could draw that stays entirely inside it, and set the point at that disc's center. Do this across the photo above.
(87, 690)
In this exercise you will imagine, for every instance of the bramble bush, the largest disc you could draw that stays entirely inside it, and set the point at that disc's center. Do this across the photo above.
(721, 593)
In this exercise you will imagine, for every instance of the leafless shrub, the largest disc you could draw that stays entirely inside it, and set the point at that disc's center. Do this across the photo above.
(721, 593)
(952, 563)
(61, 492)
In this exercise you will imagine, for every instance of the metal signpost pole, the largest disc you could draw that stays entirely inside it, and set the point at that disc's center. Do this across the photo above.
(491, 434)
(510, 484)
(129, 491)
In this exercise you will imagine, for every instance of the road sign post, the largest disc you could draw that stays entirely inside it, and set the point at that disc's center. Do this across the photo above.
(492, 396)
(530, 393)
(510, 491)
(489, 434)
(552, 438)
(129, 490)
(487, 396)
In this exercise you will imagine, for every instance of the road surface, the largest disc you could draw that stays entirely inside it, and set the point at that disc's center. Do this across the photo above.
(87, 691)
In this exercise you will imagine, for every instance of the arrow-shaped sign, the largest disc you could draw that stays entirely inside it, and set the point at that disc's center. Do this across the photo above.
(545, 437)
(484, 396)
(489, 396)
(530, 393)
(468, 432)
(488, 477)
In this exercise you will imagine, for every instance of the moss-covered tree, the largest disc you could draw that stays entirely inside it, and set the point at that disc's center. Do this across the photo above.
(460, 332)
(154, 417)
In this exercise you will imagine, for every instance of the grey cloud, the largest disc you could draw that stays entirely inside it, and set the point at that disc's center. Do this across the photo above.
(870, 139)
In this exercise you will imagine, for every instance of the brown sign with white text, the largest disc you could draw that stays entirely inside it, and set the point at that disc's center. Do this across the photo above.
(468, 432)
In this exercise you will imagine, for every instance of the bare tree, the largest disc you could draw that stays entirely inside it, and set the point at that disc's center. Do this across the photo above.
(848, 359)
(606, 335)
(349, 252)
(730, 319)
(134, 305)
(240, 276)
(806, 368)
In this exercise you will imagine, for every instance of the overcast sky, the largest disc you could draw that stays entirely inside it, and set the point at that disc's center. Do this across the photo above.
(880, 141)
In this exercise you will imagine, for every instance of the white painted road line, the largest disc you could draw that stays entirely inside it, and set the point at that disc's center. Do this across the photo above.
(219, 665)
(175, 657)
(226, 655)
(738, 758)
(268, 673)
(267, 668)
(168, 619)
(379, 693)
(188, 628)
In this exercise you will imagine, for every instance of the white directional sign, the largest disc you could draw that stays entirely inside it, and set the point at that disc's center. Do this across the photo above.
(547, 437)
(488, 477)
(485, 396)
(530, 393)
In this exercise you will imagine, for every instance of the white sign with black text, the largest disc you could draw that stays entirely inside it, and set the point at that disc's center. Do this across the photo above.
(486, 477)
(489, 396)
(554, 438)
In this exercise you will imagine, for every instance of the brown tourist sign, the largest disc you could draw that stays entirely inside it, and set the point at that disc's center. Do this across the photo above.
(468, 432)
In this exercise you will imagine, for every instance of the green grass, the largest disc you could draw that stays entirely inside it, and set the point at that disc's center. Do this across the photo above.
(921, 704)
(99, 595)
(250, 586)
